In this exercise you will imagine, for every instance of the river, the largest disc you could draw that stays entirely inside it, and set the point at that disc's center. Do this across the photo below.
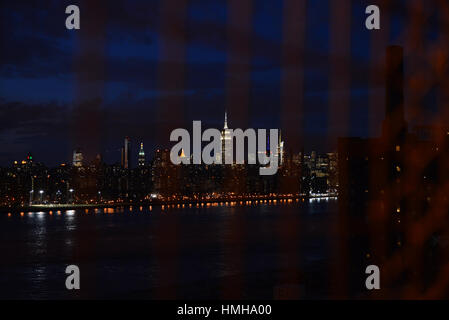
(241, 251)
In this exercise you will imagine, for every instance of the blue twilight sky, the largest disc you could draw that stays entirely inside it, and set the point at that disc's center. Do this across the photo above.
(143, 68)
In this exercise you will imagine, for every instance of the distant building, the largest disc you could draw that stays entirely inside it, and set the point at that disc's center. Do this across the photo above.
(126, 154)
(226, 140)
(98, 160)
(30, 158)
(77, 158)
(281, 150)
(183, 156)
(141, 158)
(165, 175)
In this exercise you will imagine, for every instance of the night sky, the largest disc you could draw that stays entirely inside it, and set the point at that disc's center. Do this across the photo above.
(143, 68)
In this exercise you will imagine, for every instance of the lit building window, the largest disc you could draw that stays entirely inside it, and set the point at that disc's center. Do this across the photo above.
(398, 148)
(398, 169)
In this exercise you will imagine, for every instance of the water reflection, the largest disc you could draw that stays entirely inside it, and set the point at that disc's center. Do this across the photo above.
(195, 242)
(40, 215)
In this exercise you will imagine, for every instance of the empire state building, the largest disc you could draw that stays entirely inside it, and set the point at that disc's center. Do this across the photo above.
(226, 142)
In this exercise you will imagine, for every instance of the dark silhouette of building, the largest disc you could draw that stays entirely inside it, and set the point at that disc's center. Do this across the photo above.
(386, 185)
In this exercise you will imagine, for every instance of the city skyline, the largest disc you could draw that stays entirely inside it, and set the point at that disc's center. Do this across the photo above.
(127, 155)
(84, 182)
(210, 149)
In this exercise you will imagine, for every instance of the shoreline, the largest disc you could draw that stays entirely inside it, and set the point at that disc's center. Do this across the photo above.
(157, 203)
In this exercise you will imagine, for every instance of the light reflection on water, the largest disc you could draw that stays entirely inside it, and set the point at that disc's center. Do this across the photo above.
(121, 252)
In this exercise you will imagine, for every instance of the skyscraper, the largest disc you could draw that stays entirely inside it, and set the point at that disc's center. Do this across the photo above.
(126, 154)
(141, 158)
(77, 158)
(226, 141)
(280, 150)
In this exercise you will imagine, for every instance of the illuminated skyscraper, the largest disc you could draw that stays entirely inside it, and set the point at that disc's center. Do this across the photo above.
(226, 141)
(77, 158)
(141, 156)
(280, 150)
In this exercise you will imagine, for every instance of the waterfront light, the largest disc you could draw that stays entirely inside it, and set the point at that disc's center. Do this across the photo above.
(41, 192)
